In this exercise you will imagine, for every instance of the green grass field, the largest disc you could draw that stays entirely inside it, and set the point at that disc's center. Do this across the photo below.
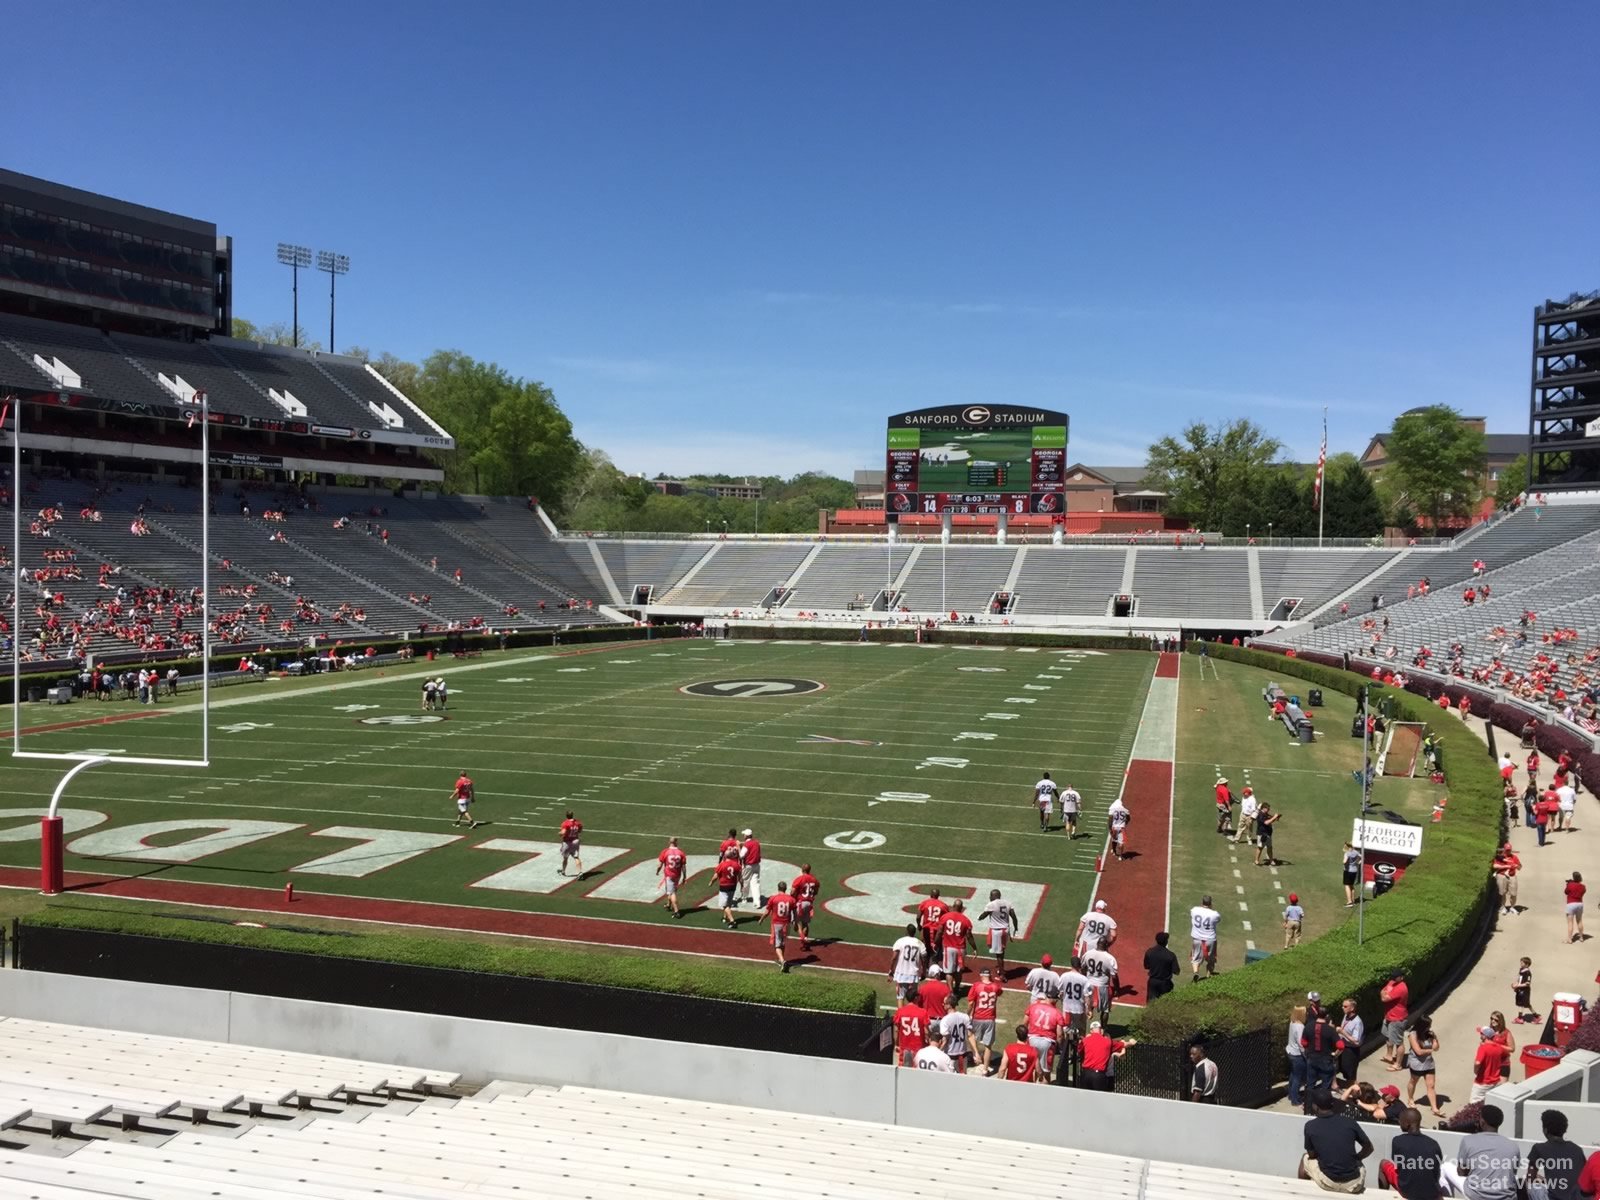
(1222, 729)
(1011, 449)
(342, 785)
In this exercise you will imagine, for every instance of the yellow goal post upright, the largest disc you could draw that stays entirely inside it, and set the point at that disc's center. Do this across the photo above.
(51, 835)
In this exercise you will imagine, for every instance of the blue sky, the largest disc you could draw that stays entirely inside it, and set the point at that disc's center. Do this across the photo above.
(737, 236)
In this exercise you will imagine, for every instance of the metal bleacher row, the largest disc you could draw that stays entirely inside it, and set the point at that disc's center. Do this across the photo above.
(94, 1113)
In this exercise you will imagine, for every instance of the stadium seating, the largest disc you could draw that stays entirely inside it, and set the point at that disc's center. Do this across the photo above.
(105, 368)
(1192, 585)
(1504, 542)
(737, 574)
(658, 565)
(1070, 580)
(960, 579)
(842, 572)
(95, 1112)
(1314, 576)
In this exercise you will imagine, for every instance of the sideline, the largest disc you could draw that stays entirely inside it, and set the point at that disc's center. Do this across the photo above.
(1138, 890)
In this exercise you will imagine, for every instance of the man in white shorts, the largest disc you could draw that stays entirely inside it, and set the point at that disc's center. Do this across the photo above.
(1203, 922)
(1075, 989)
(1117, 817)
(1567, 806)
(1101, 967)
(1044, 795)
(905, 967)
(1096, 926)
(1043, 983)
(571, 834)
(1002, 923)
(1071, 804)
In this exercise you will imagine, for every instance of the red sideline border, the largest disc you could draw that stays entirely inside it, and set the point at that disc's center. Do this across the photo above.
(544, 926)
(1136, 889)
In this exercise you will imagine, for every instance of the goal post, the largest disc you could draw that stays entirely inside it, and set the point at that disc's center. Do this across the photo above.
(51, 826)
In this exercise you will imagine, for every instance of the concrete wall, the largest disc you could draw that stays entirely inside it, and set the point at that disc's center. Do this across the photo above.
(1229, 1138)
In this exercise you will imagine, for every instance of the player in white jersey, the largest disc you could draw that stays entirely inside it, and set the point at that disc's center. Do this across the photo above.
(1002, 919)
(931, 1058)
(1203, 922)
(1118, 816)
(1096, 925)
(1043, 983)
(1044, 795)
(1071, 803)
(955, 1027)
(1075, 988)
(905, 967)
(1101, 967)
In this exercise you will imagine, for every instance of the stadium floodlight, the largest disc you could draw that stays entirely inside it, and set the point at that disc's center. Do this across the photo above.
(294, 257)
(51, 825)
(335, 265)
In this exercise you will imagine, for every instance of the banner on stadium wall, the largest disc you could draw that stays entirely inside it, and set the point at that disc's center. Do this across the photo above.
(246, 460)
(1388, 837)
(332, 431)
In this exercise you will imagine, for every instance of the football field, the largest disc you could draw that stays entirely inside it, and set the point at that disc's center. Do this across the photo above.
(889, 768)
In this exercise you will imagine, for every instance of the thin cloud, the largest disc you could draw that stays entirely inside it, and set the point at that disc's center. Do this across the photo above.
(616, 370)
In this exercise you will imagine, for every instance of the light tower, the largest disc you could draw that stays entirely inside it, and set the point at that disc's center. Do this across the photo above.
(335, 265)
(295, 257)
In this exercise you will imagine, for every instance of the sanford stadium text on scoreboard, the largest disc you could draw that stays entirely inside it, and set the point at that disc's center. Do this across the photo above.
(977, 458)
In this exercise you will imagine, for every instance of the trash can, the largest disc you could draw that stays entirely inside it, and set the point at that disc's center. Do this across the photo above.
(430, 655)
(1566, 1011)
(35, 695)
(1539, 1058)
(1308, 734)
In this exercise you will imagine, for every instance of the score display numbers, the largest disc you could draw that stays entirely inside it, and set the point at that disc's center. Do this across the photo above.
(977, 459)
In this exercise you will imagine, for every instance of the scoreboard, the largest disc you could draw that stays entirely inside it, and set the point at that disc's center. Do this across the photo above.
(977, 458)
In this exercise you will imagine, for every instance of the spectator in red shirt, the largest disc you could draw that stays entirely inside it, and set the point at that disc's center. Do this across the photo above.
(933, 991)
(1395, 996)
(1020, 1063)
(1544, 812)
(1575, 889)
(1505, 866)
(1488, 1065)
(1095, 1053)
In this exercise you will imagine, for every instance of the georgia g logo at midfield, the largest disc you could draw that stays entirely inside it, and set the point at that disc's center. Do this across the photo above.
(976, 415)
(746, 689)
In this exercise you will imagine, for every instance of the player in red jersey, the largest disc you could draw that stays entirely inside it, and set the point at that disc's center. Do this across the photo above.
(571, 843)
(1020, 1063)
(464, 797)
(1044, 1021)
(910, 1029)
(955, 939)
(930, 913)
(731, 842)
(932, 991)
(670, 865)
(804, 889)
(727, 873)
(984, 1002)
(780, 910)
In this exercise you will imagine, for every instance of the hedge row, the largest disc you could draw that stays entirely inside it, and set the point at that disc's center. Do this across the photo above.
(1424, 926)
(655, 975)
(953, 635)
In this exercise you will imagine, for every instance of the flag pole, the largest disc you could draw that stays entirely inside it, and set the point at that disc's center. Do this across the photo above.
(1322, 483)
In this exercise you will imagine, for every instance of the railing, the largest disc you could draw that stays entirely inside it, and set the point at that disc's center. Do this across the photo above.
(1156, 541)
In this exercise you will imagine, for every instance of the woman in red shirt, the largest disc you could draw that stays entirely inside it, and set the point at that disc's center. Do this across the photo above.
(1575, 888)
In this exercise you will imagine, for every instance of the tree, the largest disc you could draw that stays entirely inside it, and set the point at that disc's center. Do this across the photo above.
(1513, 482)
(1437, 460)
(276, 334)
(1352, 507)
(1200, 468)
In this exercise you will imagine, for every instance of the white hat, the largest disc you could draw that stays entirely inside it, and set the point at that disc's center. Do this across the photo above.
(1099, 906)
(748, 833)
(935, 970)
(1094, 1025)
